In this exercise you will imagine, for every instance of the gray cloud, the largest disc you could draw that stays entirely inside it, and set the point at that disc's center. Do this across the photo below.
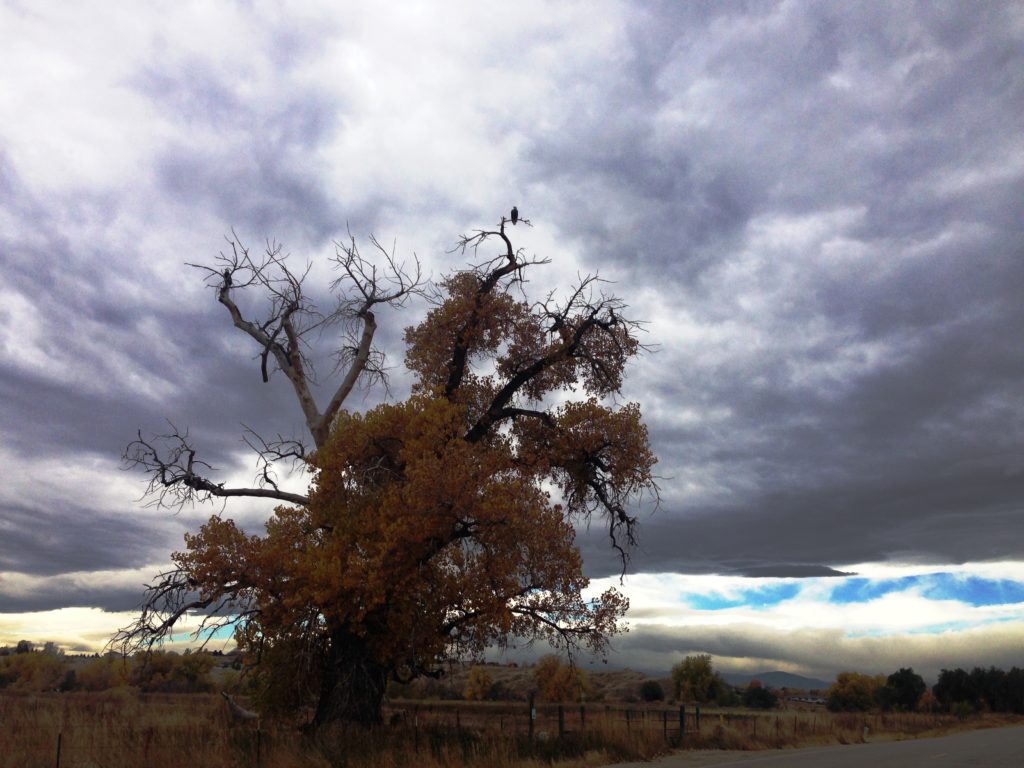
(58, 538)
(65, 593)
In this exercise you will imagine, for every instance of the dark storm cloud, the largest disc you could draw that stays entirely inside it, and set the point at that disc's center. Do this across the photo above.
(58, 538)
(876, 410)
(117, 358)
(67, 593)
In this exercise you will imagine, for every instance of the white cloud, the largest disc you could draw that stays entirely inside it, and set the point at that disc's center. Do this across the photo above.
(807, 632)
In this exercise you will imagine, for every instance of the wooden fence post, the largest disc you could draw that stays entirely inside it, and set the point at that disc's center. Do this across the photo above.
(532, 713)
(561, 720)
(682, 722)
(698, 719)
(583, 716)
(664, 723)
(60, 736)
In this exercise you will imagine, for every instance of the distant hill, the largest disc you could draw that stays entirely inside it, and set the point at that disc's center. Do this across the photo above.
(777, 680)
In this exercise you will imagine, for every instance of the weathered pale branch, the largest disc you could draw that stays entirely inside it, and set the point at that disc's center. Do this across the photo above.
(176, 476)
(292, 315)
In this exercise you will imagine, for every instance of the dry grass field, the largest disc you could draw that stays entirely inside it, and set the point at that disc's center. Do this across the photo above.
(124, 728)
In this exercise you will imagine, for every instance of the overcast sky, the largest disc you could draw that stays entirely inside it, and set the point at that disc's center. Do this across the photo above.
(817, 207)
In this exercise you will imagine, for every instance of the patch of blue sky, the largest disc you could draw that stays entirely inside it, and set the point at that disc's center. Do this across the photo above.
(758, 597)
(861, 590)
(220, 633)
(972, 590)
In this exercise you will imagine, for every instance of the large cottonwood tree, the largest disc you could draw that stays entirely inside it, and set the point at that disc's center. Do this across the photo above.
(433, 527)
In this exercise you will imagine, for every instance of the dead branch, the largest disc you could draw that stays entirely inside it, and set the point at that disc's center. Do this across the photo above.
(282, 333)
(172, 597)
(177, 478)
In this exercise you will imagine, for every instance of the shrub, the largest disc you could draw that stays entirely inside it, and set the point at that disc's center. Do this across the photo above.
(479, 685)
(757, 696)
(103, 673)
(559, 682)
(651, 690)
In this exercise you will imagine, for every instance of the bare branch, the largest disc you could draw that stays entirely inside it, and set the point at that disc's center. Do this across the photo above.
(270, 452)
(177, 478)
(172, 598)
(369, 286)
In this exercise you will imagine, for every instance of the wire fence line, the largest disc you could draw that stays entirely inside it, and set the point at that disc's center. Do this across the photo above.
(418, 725)
(80, 745)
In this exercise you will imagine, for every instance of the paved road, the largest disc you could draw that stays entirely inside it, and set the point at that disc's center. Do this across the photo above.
(989, 748)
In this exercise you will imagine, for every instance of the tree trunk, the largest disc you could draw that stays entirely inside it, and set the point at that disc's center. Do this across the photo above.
(352, 690)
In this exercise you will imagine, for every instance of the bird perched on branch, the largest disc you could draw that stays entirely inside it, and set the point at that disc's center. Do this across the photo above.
(515, 215)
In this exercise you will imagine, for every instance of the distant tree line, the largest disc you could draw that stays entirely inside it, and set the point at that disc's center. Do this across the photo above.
(959, 691)
(49, 669)
(981, 689)
(27, 668)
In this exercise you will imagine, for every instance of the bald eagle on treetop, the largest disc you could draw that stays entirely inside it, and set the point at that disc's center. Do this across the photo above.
(515, 215)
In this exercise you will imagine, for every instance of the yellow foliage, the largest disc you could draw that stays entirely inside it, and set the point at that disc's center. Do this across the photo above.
(853, 691)
(103, 673)
(694, 679)
(478, 685)
(560, 682)
(33, 671)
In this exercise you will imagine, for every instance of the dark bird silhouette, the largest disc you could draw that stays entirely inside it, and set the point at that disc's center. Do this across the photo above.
(515, 215)
(227, 278)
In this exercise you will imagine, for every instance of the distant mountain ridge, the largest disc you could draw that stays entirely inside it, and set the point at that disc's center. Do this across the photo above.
(777, 679)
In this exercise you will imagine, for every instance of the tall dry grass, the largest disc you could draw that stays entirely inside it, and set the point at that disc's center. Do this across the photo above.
(125, 728)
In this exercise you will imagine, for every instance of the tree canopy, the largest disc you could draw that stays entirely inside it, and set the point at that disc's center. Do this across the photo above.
(855, 692)
(694, 679)
(433, 527)
(903, 690)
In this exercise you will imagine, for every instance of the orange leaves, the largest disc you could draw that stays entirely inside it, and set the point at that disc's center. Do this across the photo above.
(590, 451)
(470, 321)
(438, 542)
